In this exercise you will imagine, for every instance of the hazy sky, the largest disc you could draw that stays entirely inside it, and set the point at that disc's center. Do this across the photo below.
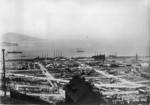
(111, 23)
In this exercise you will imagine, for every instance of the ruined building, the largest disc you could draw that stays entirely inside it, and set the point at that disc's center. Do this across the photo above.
(80, 92)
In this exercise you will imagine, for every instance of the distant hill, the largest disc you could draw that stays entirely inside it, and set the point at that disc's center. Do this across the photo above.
(15, 37)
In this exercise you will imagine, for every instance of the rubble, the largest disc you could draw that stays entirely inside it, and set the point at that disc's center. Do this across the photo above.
(121, 77)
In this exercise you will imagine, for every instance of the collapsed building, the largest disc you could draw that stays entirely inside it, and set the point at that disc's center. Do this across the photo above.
(78, 91)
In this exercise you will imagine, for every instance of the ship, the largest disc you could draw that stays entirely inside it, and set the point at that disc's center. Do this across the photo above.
(80, 50)
(14, 52)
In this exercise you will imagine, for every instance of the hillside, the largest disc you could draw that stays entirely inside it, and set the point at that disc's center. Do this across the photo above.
(15, 37)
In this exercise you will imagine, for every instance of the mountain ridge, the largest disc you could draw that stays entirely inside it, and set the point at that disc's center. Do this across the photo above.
(16, 37)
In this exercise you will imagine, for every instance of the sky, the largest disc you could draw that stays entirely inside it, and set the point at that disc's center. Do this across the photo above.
(122, 25)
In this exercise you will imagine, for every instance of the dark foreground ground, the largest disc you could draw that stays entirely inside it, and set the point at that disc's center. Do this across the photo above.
(13, 101)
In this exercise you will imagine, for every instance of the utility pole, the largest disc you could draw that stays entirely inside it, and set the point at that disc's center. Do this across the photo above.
(4, 80)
